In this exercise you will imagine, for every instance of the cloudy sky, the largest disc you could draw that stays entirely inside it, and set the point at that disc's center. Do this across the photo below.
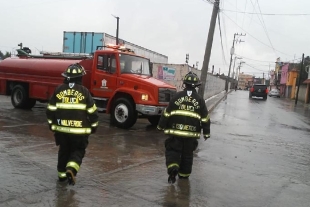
(273, 28)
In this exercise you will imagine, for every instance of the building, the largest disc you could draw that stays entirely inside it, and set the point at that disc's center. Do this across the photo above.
(272, 81)
(87, 42)
(245, 81)
(283, 80)
(291, 82)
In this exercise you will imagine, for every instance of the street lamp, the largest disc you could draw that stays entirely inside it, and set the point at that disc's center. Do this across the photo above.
(117, 27)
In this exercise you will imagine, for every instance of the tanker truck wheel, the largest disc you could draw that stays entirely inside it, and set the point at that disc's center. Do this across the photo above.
(123, 113)
(20, 99)
(153, 120)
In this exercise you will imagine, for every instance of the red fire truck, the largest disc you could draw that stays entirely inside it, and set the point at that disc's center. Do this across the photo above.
(120, 82)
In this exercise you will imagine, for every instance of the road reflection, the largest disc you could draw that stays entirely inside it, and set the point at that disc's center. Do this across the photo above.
(178, 195)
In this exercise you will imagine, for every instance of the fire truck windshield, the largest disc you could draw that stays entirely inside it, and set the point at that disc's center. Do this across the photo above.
(134, 65)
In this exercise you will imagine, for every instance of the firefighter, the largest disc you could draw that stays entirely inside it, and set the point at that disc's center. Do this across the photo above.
(183, 120)
(72, 116)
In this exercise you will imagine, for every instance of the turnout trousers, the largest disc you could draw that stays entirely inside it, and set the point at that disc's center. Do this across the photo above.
(71, 152)
(179, 154)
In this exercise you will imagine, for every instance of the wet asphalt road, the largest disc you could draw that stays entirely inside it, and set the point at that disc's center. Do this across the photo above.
(258, 155)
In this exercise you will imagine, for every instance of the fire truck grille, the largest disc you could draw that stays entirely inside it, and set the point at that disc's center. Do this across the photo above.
(165, 95)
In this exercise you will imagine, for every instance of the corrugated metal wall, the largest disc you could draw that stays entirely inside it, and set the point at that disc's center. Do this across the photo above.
(174, 73)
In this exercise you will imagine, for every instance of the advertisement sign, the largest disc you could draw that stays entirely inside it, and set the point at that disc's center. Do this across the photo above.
(165, 73)
(168, 73)
(160, 74)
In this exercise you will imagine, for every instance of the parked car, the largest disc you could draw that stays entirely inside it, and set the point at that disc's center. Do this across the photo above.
(258, 90)
(274, 92)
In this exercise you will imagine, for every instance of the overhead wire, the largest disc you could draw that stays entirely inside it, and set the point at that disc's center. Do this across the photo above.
(252, 35)
(268, 14)
(254, 67)
(253, 11)
(264, 26)
(268, 61)
(242, 47)
(209, 1)
(32, 4)
(223, 53)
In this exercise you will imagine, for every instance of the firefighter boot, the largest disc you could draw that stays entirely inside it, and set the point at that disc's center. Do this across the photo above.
(183, 177)
(70, 177)
(172, 174)
(61, 180)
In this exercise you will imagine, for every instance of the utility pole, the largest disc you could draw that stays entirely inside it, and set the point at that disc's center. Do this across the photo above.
(299, 78)
(117, 28)
(187, 58)
(232, 51)
(205, 64)
(236, 57)
(239, 68)
(263, 78)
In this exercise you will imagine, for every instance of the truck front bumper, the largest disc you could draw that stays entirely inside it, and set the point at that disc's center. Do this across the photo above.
(150, 110)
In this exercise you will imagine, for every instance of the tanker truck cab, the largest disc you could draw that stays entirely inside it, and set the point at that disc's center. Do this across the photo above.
(122, 85)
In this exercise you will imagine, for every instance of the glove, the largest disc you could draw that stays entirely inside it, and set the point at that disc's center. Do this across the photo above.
(206, 136)
(93, 130)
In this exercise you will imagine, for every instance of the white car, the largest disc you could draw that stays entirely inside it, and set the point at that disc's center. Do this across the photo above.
(274, 92)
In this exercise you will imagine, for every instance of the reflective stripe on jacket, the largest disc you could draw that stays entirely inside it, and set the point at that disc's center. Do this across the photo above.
(72, 110)
(185, 115)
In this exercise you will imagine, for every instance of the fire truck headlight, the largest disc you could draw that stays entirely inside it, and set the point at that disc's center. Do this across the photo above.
(144, 97)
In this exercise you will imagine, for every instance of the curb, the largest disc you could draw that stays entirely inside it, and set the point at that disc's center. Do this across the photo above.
(213, 105)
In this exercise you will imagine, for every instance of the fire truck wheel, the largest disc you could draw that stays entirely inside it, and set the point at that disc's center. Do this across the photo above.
(30, 103)
(123, 114)
(153, 120)
(19, 97)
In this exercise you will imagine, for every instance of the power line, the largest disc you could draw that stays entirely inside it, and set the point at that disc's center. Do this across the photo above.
(33, 4)
(209, 1)
(259, 23)
(254, 37)
(255, 60)
(266, 14)
(223, 54)
(267, 61)
(264, 26)
(255, 68)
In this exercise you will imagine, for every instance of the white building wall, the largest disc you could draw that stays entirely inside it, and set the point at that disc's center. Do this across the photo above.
(214, 84)
(153, 56)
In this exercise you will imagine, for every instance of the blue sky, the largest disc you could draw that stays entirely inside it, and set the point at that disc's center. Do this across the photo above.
(174, 28)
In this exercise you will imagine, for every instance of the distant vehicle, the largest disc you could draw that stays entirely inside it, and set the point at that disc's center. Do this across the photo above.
(274, 92)
(258, 90)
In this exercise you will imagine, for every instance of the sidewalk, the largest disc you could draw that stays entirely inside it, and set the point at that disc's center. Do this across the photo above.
(214, 100)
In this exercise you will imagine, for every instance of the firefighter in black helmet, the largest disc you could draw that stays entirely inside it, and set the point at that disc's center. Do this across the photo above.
(183, 120)
(72, 116)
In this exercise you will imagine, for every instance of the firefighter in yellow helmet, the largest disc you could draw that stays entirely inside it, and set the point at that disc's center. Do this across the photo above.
(72, 116)
(183, 120)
